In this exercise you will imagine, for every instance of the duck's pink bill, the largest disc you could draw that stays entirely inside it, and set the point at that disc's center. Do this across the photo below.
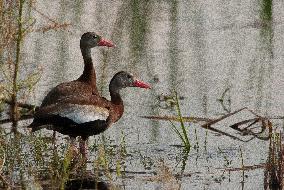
(104, 42)
(141, 84)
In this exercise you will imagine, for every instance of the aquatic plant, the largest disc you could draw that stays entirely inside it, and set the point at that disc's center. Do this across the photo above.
(242, 167)
(196, 145)
(226, 159)
(65, 170)
(121, 152)
(225, 100)
(165, 176)
(183, 133)
(273, 174)
(16, 24)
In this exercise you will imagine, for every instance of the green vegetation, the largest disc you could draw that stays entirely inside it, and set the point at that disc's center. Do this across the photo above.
(183, 133)
(14, 27)
(273, 174)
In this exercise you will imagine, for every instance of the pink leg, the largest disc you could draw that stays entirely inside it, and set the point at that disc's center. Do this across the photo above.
(73, 146)
(83, 148)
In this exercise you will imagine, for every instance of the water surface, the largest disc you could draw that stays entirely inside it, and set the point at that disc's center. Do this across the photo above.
(197, 48)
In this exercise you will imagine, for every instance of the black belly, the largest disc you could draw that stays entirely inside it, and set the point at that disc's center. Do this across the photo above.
(67, 126)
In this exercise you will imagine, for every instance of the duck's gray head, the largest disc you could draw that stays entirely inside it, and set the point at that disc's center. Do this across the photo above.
(124, 79)
(91, 39)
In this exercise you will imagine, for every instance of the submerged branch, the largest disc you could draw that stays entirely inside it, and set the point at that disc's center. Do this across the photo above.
(244, 168)
(245, 127)
(31, 109)
(22, 105)
(174, 118)
(23, 117)
(206, 125)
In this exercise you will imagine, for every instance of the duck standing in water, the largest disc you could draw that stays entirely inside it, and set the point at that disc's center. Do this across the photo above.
(86, 83)
(86, 115)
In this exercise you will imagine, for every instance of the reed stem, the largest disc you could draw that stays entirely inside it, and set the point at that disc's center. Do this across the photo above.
(14, 107)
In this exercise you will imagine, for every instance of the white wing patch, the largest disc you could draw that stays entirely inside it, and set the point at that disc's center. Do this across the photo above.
(83, 113)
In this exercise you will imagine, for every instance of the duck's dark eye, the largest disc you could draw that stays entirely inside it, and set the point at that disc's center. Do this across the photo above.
(95, 36)
(129, 76)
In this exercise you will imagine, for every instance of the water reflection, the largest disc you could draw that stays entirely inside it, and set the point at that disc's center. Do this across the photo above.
(139, 11)
(63, 61)
(77, 6)
(85, 183)
(173, 45)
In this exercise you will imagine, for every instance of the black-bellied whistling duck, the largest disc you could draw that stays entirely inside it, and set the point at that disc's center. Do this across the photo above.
(86, 115)
(86, 83)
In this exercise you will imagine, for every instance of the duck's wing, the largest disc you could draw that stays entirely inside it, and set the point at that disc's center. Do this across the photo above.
(80, 109)
(65, 90)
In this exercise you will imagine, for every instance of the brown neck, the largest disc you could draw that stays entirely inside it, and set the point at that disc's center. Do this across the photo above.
(115, 97)
(89, 74)
(117, 104)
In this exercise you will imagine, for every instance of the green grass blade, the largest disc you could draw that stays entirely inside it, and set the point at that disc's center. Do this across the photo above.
(174, 128)
(185, 137)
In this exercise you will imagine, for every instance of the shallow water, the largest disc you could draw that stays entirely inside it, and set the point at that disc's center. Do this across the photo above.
(197, 48)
